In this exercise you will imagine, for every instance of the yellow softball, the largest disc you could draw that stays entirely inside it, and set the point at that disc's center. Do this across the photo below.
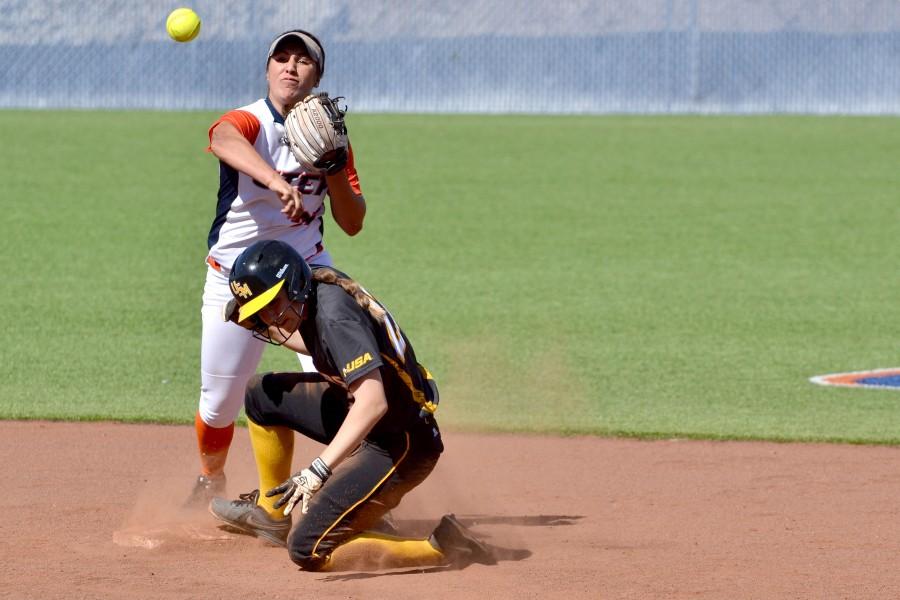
(183, 24)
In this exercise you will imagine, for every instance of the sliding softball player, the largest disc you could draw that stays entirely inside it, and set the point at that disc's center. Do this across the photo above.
(371, 405)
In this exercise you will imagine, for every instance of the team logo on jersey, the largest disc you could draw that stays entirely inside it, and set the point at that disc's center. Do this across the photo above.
(241, 289)
(356, 363)
(308, 184)
(876, 378)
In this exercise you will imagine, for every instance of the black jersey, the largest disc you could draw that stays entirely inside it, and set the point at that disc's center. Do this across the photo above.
(346, 343)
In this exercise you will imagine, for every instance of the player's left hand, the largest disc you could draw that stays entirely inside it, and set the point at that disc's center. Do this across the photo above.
(317, 134)
(334, 161)
(300, 487)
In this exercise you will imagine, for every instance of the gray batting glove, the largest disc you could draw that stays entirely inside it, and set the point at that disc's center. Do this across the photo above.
(300, 487)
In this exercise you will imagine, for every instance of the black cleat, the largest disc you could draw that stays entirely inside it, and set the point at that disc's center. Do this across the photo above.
(459, 545)
(205, 489)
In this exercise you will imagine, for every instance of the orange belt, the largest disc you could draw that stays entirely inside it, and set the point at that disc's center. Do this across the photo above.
(212, 262)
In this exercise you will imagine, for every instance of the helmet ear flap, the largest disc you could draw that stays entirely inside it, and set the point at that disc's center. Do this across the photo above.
(301, 282)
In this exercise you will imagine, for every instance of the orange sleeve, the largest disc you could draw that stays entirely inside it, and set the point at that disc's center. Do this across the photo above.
(245, 122)
(352, 175)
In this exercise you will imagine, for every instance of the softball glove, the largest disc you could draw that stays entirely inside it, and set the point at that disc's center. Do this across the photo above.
(317, 135)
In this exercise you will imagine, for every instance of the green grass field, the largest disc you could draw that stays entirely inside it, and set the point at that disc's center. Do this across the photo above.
(645, 276)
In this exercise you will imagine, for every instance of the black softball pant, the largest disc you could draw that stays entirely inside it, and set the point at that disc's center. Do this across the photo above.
(370, 482)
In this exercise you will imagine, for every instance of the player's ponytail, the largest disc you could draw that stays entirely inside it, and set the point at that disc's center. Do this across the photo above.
(362, 297)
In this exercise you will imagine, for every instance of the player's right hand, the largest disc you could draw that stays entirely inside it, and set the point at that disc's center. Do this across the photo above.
(300, 487)
(291, 198)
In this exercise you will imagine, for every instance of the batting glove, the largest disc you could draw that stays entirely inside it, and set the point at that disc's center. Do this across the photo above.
(300, 487)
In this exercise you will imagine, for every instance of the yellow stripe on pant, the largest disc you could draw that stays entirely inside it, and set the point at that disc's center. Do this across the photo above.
(366, 497)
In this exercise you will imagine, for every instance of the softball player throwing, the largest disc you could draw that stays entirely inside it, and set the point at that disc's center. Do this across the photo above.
(264, 194)
(371, 403)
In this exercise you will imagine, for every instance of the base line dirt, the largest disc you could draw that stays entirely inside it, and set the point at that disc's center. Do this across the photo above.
(92, 510)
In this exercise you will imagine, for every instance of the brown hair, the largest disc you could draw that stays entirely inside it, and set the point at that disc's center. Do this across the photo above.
(362, 297)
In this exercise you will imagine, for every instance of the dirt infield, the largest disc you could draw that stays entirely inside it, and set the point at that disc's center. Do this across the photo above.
(90, 510)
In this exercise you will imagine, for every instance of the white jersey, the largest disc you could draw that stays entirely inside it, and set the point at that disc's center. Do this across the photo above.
(248, 211)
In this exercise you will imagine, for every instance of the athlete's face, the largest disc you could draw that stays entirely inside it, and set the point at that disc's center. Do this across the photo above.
(283, 313)
(291, 74)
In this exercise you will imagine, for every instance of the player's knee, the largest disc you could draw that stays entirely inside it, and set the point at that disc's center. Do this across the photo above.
(304, 558)
(302, 544)
(214, 415)
(220, 399)
(253, 398)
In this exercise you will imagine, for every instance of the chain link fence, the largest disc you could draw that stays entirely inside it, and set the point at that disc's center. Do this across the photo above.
(505, 56)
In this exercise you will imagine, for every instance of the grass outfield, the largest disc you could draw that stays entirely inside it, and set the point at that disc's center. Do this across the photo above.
(646, 276)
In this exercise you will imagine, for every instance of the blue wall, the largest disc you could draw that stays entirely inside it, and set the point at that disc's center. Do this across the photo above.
(688, 70)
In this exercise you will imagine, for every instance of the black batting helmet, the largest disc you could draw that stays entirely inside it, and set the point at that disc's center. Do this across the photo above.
(263, 270)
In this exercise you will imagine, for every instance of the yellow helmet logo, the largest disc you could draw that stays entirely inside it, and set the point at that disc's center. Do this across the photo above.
(241, 289)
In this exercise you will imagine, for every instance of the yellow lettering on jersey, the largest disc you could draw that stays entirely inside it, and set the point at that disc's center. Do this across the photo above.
(356, 363)
(241, 289)
(417, 394)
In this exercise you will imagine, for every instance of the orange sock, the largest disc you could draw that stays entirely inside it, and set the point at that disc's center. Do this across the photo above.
(213, 443)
